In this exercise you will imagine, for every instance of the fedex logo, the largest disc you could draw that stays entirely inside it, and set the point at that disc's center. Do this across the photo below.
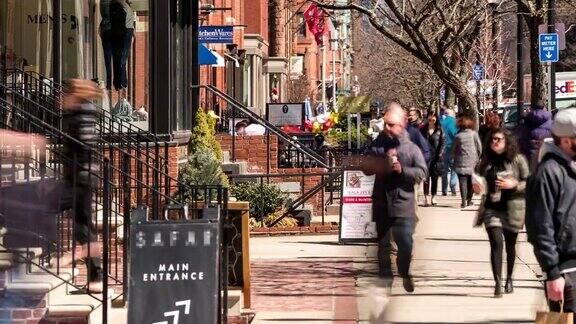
(566, 90)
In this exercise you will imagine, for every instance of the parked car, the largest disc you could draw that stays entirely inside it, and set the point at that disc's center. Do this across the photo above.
(509, 115)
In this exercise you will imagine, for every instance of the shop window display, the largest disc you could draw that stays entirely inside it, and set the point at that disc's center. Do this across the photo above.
(103, 40)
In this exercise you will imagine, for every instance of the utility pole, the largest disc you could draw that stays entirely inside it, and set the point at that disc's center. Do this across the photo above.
(478, 84)
(552, 29)
(334, 47)
(323, 49)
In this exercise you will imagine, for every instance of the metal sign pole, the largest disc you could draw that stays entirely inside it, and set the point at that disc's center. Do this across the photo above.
(323, 48)
(349, 117)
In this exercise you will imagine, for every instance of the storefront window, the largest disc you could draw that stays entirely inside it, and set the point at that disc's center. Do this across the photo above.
(26, 39)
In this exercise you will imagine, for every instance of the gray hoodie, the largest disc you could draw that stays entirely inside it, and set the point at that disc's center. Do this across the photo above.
(551, 212)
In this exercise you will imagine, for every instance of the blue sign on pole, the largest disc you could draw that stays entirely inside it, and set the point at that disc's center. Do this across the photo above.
(216, 34)
(478, 72)
(548, 47)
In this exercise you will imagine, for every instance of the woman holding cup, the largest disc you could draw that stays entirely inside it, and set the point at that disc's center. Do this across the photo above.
(505, 171)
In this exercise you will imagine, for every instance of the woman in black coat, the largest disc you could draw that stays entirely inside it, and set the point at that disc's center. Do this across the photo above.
(433, 132)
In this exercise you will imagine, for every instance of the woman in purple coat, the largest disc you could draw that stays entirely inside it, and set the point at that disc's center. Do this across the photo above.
(536, 126)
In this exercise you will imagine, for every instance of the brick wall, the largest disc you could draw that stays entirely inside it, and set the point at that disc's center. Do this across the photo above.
(253, 150)
(256, 17)
(22, 308)
(141, 63)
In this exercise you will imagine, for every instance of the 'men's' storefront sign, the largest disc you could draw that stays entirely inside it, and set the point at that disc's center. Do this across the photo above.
(216, 34)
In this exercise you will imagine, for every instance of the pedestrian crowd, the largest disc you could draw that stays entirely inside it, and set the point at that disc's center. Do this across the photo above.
(503, 166)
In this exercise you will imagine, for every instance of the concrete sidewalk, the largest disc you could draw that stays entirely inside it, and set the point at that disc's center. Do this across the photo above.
(312, 279)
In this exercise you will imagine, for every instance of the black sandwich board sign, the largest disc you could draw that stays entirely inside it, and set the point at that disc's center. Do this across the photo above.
(174, 272)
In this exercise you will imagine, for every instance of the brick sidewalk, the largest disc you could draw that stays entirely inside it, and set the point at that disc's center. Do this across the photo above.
(296, 285)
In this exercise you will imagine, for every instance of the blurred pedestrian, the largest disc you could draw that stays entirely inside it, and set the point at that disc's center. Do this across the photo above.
(551, 212)
(393, 196)
(434, 133)
(467, 149)
(450, 129)
(491, 123)
(415, 117)
(505, 171)
(534, 129)
(80, 174)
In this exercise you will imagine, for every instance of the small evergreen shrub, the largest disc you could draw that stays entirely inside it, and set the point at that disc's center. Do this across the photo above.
(264, 198)
(204, 157)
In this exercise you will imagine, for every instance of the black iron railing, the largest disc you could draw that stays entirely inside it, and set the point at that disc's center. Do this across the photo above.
(304, 152)
(112, 193)
(39, 94)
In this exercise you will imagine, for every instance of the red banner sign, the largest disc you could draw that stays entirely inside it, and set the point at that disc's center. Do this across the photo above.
(316, 20)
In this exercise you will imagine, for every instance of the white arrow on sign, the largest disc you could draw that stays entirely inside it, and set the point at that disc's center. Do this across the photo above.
(548, 55)
(186, 304)
(174, 314)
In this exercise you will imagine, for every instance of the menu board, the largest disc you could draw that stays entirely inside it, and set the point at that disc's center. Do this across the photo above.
(356, 223)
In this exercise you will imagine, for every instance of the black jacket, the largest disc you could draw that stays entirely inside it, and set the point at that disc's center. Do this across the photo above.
(437, 144)
(417, 138)
(551, 212)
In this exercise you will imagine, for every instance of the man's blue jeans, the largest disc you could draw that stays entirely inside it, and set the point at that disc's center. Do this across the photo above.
(449, 171)
(401, 229)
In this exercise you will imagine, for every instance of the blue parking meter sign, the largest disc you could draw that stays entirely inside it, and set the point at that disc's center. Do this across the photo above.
(548, 47)
(478, 72)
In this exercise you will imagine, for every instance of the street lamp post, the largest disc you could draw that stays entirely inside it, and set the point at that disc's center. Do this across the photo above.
(334, 47)
(494, 11)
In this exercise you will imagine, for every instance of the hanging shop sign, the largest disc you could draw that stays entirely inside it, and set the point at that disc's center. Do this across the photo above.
(216, 34)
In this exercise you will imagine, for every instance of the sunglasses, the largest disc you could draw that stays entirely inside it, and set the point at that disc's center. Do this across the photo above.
(497, 139)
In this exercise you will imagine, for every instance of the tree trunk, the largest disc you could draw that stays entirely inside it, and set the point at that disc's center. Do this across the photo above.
(538, 76)
(458, 87)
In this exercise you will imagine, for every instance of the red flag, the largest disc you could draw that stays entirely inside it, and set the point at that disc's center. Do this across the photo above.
(316, 20)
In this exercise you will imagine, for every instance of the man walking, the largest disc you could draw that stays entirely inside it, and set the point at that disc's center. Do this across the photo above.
(415, 117)
(448, 124)
(551, 212)
(400, 166)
